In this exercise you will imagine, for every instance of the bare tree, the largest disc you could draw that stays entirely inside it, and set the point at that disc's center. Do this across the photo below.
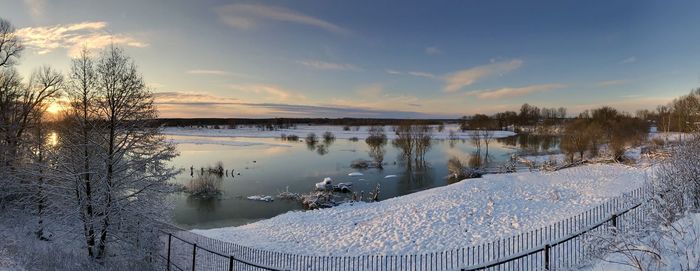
(10, 45)
(475, 138)
(486, 136)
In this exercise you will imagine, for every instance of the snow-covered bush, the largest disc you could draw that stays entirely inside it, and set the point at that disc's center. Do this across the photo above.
(667, 235)
(328, 138)
(311, 139)
(205, 186)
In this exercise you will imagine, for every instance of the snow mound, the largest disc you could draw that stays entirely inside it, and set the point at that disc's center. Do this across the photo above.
(326, 184)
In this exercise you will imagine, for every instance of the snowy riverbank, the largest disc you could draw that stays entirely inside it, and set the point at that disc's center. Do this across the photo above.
(458, 215)
(303, 130)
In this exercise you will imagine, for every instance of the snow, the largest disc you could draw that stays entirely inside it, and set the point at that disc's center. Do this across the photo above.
(355, 174)
(671, 136)
(541, 159)
(217, 141)
(261, 198)
(390, 176)
(458, 215)
(303, 130)
(326, 184)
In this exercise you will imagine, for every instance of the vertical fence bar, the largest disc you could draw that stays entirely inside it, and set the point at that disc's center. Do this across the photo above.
(194, 255)
(170, 239)
(546, 257)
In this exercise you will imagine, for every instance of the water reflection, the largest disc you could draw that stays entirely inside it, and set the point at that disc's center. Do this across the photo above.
(322, 149)
(529, 143)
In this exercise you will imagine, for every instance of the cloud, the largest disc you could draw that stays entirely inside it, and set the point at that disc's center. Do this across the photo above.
(323, 65)
(245, 16)
(175, 97)
(459, 79)
(269, 92)
(390, 71)
(36, 8)
(433, 50)
(422, 74)
(370, 92)
(628, 60)
(93, 35)
(608, 83)
(191, 104)
(413, 73)
(514, 92)
(209, 72)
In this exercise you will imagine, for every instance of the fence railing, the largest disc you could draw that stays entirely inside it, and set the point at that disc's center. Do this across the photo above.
(559, 245)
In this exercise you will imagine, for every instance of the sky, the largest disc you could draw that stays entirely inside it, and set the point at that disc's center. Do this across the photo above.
(378, 59)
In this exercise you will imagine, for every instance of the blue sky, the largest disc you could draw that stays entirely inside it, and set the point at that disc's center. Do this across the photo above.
(379, 58)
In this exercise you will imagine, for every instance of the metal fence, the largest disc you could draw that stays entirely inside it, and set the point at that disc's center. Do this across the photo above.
(560, 245)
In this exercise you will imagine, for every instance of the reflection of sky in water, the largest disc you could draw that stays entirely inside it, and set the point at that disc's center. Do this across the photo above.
(295, 166)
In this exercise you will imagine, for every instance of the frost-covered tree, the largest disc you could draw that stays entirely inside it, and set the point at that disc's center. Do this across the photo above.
(22, 107)
(79, 143)
(114, 159)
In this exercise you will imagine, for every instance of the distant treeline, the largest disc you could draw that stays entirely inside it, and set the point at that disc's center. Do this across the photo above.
(289, 122)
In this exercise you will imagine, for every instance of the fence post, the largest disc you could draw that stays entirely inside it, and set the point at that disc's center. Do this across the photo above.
(230, 263)
(194, 255)
(170, 238)
(614, 220)
(546, 257)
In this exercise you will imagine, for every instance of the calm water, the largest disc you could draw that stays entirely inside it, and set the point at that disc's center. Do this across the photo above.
(270, 168)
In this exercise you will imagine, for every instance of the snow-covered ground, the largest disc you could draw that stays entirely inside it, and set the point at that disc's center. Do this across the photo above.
(303, 130)
(671, 136)
(458, 215)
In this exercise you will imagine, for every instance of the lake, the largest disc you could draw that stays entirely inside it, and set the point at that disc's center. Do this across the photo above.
(268, 166)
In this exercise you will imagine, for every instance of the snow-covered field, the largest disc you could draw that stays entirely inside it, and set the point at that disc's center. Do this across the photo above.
(458, 215)
(303, 130)
(228, 141)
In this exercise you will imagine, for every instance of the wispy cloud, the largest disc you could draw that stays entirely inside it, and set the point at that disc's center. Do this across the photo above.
(629, 60)
(433, 50)
(607, 83)
(176, 97)
(73, 37)
(459, 79)
(269, 92)
(511, 92)
(371, 91)
(323, 65)
(412, 73)
(422, 74)
(245, 16)
(193, 104)
(395, 72)
(36, 8)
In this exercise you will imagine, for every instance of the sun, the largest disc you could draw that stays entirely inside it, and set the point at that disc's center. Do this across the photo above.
(55, 107)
